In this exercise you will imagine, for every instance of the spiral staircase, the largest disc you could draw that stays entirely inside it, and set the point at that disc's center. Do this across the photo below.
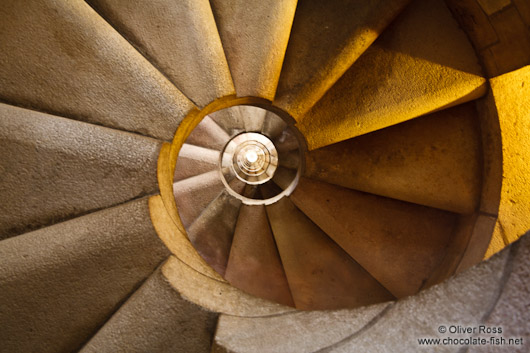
(166, 162)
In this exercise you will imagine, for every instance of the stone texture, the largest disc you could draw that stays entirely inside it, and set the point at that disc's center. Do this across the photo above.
(194, 160)
(398, 243)
(293, 332)
(208, 134)
(326, 39)
(60, 283)
(254, 264)
(273, 125)
(404, 74)
(53, 168)
(180, 38)
(253, 117)
(463, 300)
(230, 120)
(63, 58)
(156, 319)
(434, 161)
(321, 275)
(254, 35)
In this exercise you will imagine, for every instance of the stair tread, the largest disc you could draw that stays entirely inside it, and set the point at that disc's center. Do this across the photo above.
(326, 39)
(398, 243)
(62, 282)
(156, 319)
(253, 117)
(254, 34)
(273, 126)
(320, 274)
(209, 135)
(230, 120)
(69, 166)
(195, 160)
(180, 38)
(254, 264)
(434, 161)
(406, 73)
(63, 58)
(193, 195)
(211, 233)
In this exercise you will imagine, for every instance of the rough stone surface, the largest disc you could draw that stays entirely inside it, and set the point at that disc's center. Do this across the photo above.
(254, 264)
(194, 160)
(254, 35)
(156, 319)
(434, 161)
(293, 332)
(60, 283)
(405, 73)
(180, 38)
(462, 301)
(53, 168)
(253, 117)
(398, 243)
(321, 275)
(208, 134)
(62, 57)
(326, 39)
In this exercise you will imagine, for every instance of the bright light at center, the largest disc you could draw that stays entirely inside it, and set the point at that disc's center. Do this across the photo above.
(251, 156)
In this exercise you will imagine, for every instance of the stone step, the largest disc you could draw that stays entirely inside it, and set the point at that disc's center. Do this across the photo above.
(254, 35)
(411, 70)
(180, 38)
(326, 39)
(211, 233)
(193, 195)
(209, 135)
(273, 126)
(321, 275)
(156, 319)
(195, 160)
(254, 264)
(253, 117)
(434, 160)
(63, 58)
(230, 120)
(398, 243)
(54, 168)
(61, 283)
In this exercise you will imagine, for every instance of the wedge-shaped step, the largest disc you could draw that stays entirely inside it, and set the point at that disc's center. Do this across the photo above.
(61, 283)
(180, 38)
(156, 319)
(194, 160)
(193, 195)
(254, 35)
(433, 161)
(211, 234)
(326, 39)
(62, 57)
(398, 243)
(208, 134)
(230, 120)
(421, 63)
(254, 264)
(253, 117)
(320, 274)
(54, 168)
(273, 126)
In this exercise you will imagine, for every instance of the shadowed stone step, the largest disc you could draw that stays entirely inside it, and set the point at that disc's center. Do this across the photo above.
(421, 63)
(254, 264)
(208, 134)
(194, 160)
(230, 120)
(60, 283)
(326, 39)
(193, 195)
(156, 319)
(273, 126)
(53, 168)
(211, 234)
(62, 57)
(254, 35)
(433, 161)
(253, 117)
(320, 274)
(180, 38)
(398, 243)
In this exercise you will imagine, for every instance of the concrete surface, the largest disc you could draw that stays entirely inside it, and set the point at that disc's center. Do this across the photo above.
(156, 319)
(60, 283)
(404, 74)
(180, 38)
(53, 169)
(326, 39)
